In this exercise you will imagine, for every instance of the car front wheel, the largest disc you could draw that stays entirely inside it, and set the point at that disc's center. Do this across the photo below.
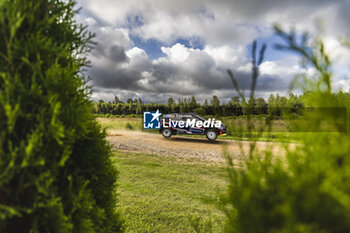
(211, 135)
(166, 133)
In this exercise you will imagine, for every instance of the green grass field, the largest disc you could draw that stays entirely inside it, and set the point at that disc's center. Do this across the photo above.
(135, 123)
(167, 194)
(130, 123)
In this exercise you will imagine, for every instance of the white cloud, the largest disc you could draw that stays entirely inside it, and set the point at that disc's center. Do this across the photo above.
(338, 53)
(222, 21)
(177, 53)
(223, 27)
(138, 58)
(279, 67)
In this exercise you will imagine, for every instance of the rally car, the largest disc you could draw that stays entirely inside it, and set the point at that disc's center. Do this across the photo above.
(170, 126)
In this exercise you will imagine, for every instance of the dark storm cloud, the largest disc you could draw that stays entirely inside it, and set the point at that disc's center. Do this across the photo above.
(115, 78)
(117, 54)
(251, 9)
(117, 67)
(199, 75)
(173, 79)
(343, 15)
(114, 53)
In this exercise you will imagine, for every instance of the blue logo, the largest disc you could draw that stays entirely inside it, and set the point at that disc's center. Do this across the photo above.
(151, 120)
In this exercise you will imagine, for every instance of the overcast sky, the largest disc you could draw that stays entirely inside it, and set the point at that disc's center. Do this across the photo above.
(156, 49)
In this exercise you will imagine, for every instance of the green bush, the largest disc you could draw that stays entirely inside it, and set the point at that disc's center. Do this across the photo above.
(55, 169)
(307, 191)
(305, 188)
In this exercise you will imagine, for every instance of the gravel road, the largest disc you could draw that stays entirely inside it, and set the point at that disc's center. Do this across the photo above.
(185, 147)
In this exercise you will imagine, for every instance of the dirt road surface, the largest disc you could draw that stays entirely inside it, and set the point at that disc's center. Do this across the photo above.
(186, 147)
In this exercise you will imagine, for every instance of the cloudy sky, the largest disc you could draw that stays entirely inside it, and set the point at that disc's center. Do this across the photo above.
(156, 49)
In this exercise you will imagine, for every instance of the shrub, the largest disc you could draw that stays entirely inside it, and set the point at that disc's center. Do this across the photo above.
(308, 189)
(56, 173)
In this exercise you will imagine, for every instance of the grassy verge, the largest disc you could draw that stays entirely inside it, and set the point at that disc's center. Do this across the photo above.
(167, 194)
(265, 137)
(135, 123)
(121, 123)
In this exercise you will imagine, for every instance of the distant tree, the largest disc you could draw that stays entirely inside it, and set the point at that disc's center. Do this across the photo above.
(181, 106)
(215, 103)
(139, 107)
(272, 106)
(295, 104)
(282, 104)
(170, 104)
(170, 101)
(250, 107)
(205, 103)
(186, 105)
(199, 111)
(116, 99)
(260, 106)
(235, 100)
(193, 103)
(235, 106)
(206, 107)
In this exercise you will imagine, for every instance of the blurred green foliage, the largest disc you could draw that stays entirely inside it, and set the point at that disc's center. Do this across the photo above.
(55, 169)
(305, 187)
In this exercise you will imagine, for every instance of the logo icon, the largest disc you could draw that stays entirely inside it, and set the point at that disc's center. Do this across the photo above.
(151, 120)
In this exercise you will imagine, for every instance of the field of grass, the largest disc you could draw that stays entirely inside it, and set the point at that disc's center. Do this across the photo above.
(167, 194)
(130, 123)
(233, 128)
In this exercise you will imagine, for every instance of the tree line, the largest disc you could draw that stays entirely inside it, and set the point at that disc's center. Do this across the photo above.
(235, 107)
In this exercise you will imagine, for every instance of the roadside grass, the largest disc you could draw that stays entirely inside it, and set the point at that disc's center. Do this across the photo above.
(236, 128)
(134, 123)
(264, 137)
(168, 194)
(121, 123)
